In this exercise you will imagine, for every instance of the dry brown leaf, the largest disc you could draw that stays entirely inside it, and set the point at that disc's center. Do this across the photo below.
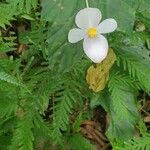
(92, 130)
(97, 77)
(147, 119)
(21, 48)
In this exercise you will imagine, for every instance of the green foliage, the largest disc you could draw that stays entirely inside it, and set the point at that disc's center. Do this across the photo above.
(44, 95)
(8, 78)
(24, 6)
(13, 8)
(142, 143)
(23, 135)
(123, 95)
(136, 65)
(118, 9)
(8, 45)
(65, 100)
(84, 143)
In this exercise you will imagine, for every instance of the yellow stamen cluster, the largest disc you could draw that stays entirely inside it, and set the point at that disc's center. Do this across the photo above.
(92, 32)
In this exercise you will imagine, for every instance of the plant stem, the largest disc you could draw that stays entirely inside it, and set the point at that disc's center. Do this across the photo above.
(87, 3)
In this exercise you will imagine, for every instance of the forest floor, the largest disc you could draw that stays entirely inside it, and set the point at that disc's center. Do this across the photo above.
(94, 130)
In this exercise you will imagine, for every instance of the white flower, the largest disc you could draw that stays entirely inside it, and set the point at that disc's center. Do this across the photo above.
(90, 29)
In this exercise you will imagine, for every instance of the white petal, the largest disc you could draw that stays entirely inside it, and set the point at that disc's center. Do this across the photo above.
(88, 17)
(107, 26)
(76, 35)
(96, 48)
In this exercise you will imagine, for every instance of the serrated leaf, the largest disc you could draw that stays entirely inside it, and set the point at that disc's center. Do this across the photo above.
(8, 78)
(123, 108)
(78, 142)
(23, 136)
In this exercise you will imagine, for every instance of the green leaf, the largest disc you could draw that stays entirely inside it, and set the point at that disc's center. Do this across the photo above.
(123, 110)
(23, 6)
(23, 136)
(76, 125)
(8, 78)
(60, 15)
(27, 17)
(8, 105)
(121, 10)
(61, 114)
(78, 142)
(142, 143)
(59, 11)
(137, 64)
(5, 16)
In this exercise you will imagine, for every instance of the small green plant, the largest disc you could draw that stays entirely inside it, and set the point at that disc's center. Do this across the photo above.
(44, 95)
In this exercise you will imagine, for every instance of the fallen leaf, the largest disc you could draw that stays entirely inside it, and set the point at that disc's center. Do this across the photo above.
(92, 130)
(97, 76)
(147, 119)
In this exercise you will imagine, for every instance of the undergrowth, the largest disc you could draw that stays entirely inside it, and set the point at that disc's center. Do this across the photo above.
(44, 97)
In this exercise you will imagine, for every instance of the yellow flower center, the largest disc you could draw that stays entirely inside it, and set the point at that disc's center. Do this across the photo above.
(92, 32)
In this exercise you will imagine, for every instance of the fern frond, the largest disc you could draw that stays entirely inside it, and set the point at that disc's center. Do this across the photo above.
(142, 143)
(8, 106)
(23, 136)
(136, 66)
(121, 86)
(41, 127)
(9, 94)
(8, 78)
(23, 6)
(13, 8)
(123, 106)
(64, 106)
(66, 100)
(6, 14)
(7, 43)
(78, 142)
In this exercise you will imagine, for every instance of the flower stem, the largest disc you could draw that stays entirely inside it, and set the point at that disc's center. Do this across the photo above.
(87, 3)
